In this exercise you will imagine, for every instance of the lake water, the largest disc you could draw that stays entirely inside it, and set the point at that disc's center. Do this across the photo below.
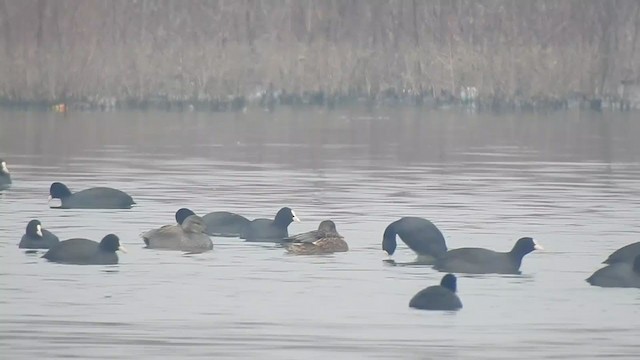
(570, 180)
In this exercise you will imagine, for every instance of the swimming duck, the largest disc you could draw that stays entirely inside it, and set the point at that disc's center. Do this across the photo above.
(325, 240)
(187, 235)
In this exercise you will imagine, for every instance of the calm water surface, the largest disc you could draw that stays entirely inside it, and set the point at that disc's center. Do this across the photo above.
(571, 181)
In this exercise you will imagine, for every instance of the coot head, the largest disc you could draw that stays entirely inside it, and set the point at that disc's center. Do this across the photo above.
(59, 190)
(525, 245)
(34, 228)
(389, 243)
(111, 243)
(3, 167)
(286, 216)
(450, 282)
(182, 214)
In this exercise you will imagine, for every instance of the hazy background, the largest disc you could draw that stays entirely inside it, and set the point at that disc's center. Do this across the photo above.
(215, 51)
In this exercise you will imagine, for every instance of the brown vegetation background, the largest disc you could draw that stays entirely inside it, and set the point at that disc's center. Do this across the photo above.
(204, 51)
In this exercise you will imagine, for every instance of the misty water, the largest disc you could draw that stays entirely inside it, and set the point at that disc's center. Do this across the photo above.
(569, 180)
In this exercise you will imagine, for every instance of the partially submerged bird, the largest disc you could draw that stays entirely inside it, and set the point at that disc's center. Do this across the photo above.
(187, 235)
(438, 297)
(36, 237)
(325, 240)
(93, 198)
(485, 261)
(420, 235)
(80, 251)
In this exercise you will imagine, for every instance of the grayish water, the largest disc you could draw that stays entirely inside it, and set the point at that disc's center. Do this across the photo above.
(571, 181)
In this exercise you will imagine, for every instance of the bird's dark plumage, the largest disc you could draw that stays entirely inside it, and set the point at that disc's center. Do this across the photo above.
(93, 198)
(36, 237)
(86, 252)
(438, 297)
(624, 254)
(267, 230)
(619, 274)
(485, 261)
(224, 223)
(420, 235)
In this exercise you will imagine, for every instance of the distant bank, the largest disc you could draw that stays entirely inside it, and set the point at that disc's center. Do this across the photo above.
(229, 55)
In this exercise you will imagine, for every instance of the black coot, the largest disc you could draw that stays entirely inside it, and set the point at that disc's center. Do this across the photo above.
(224, 223)
(420, 235)
(620, 274)
(271, 230)
(86, 252)
(438, 297)
(93, 198)
(624, 254)
(485, 261)
(36, 237)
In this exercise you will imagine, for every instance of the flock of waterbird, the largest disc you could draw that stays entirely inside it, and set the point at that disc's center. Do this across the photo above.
(191, 233)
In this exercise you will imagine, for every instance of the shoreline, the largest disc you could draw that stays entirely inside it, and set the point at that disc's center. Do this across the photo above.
(217, 56)
(271, 101)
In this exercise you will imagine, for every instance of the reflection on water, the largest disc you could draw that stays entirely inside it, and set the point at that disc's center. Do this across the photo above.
(571, 181)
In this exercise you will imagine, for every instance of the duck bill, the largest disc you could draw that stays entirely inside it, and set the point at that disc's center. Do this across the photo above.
(39, 230)
(123, 249)
(538, 247)
(4, 168)
(295, 218)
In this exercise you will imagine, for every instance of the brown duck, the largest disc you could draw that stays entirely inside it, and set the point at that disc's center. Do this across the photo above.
(325, 240)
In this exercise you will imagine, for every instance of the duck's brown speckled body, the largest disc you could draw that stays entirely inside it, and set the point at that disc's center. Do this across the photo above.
(325, 240)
